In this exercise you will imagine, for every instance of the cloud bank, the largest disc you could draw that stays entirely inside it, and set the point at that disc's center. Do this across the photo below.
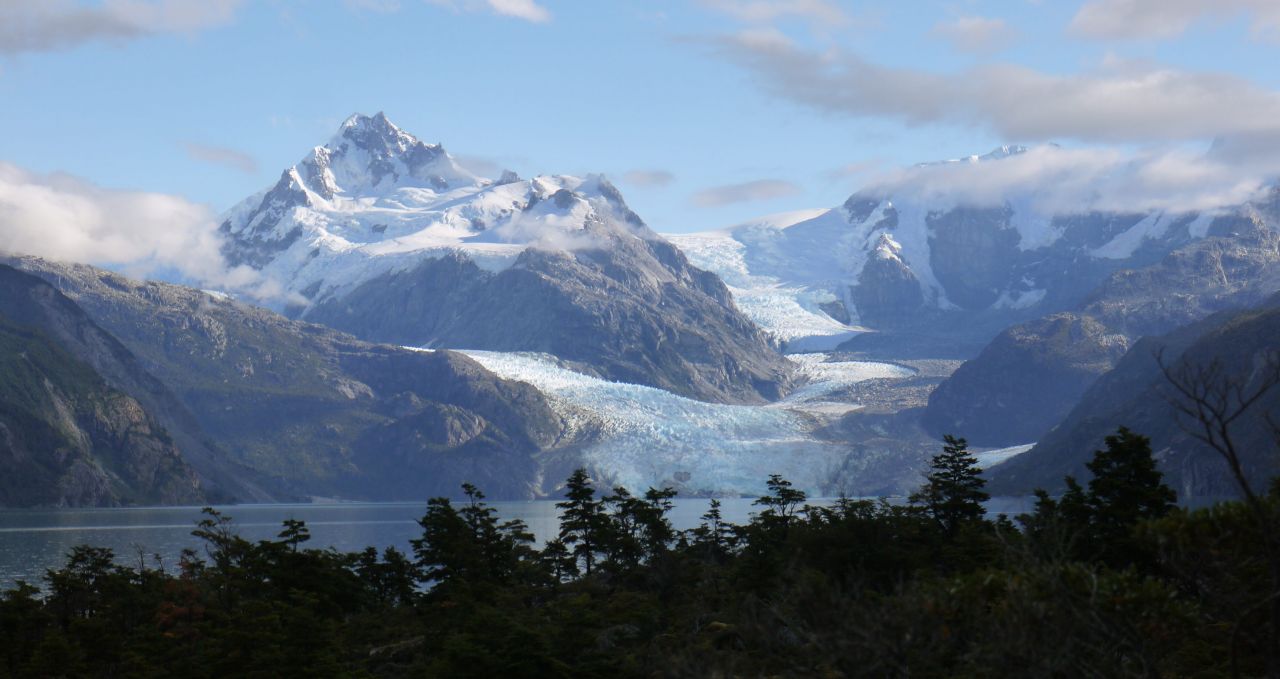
(217, 155)
(976, 35)
(761, 189)
(1156, 19)
(1121, 102)
(648, 178)
(1056, 181)
(47, 25)
(65, 218)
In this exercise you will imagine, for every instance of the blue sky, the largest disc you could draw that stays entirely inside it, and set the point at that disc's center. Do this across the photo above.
(704, 112)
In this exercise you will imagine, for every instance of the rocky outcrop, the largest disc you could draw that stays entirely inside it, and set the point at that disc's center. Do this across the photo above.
(67, 437)
(1135, 394)
(316, 409)
(973, 253)
(1032, 374)
(888, 292)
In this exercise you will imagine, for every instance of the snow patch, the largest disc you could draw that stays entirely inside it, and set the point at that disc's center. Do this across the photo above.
(1123, 246)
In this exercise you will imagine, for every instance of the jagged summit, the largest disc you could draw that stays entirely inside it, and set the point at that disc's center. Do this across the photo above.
(371, 155)
(376, 197)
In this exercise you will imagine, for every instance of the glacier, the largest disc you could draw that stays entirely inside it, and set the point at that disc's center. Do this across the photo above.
(640, 436)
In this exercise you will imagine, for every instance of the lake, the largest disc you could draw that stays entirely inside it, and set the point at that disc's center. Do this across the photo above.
(34, 540)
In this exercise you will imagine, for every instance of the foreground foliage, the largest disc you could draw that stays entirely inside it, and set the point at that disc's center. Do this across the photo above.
(1110, 580)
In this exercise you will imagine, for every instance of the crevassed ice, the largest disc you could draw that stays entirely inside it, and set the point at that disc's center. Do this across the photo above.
(650, 437)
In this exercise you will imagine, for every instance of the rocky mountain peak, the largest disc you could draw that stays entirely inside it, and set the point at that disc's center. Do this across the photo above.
(376, 134)
(370, 155)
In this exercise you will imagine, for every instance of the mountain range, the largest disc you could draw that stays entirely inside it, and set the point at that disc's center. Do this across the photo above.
(432, 326)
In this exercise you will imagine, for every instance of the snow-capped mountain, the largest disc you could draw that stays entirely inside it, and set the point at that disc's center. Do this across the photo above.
(389, 238)
(375, 199)
(899, 258)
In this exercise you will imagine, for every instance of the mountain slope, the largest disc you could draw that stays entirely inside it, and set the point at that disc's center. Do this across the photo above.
(1031, 375)
(320, 410)
(1136, 394)
(67, 438)
(386, 237)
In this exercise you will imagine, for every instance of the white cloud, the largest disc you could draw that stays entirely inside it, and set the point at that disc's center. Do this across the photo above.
(217, 155)
(648, 178)
(852, 170)
(527, 10)
(1118, 102)
(769, 11)
(45, 25)
(521, 9)
(64, 218)
(976, 35)
(761, 189)
(1131, 19)
(1055, 181)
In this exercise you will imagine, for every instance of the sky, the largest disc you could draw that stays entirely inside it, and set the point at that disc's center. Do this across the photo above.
(127, 120)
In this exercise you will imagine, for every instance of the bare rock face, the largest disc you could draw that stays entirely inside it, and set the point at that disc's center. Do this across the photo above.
(317, 410)
(67, 436)
(972, 252)
(888, 291)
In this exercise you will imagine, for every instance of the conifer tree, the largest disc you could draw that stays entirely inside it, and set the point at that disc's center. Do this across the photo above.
(953, 492)
(713, 536)
(583, 524)
(781, 503)
(1126, 486)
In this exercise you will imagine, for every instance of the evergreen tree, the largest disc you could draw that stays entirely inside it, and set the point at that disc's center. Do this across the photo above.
(584, 526)
(782, 502)
(559, 561)
(713, 536)
(953, 493)
(295, 533)
(444, 552)
(1097, 525)
(468, 544)
(656, 527)
(1126, 486)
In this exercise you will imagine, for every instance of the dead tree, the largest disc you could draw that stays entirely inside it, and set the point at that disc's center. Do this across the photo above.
(1210, 401)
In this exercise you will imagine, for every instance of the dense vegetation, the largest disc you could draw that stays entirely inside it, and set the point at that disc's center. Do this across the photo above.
(1110, 579)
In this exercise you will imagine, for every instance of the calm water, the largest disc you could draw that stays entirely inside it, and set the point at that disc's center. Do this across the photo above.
(32, 541)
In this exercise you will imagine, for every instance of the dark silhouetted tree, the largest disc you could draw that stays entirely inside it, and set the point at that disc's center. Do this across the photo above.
(953, 493)
(584, 525)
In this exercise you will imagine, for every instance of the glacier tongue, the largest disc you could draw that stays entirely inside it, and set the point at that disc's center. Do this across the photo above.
(649, 437)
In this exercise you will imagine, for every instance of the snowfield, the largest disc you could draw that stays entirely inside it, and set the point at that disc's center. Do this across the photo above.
(650, 437)
(760, 270)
